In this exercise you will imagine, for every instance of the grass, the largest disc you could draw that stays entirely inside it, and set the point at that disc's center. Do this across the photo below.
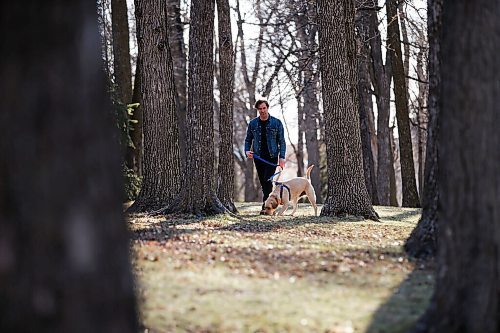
(289, 274)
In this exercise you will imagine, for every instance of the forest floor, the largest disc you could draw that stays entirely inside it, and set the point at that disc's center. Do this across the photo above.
(286, 274)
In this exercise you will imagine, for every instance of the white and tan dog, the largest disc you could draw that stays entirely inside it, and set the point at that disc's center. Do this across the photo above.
(290, 191)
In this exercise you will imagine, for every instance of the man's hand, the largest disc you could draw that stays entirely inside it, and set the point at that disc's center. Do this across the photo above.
(282, 163)
(249, 154)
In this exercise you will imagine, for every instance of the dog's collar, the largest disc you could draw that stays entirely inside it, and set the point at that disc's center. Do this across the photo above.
(281, 185)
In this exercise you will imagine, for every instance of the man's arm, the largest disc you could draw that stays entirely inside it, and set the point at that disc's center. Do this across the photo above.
(248, 142)
(282, 144)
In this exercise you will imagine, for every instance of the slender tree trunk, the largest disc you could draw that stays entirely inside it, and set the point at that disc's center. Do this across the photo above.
(161, 160)
(422, 117)
(406, 44)
(198, 196)
(64, 263)
(410, 194)
(178, 50)
(347, 193)
(121, 50)
(137, 117)
(307, 35)
(466, 296)
(381, 86)
(226, 61)
(250, 79)
(365, 103)
(121, 64)
(422, 241)
(300, 143)
(392, 172)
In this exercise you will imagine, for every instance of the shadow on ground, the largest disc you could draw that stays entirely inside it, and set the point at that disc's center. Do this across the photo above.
(409, 301)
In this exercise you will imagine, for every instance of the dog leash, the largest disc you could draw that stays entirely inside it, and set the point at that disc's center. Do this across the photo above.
(281, 185)
(267, 162)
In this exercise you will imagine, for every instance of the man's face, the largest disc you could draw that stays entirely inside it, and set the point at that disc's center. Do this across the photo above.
(262, 108)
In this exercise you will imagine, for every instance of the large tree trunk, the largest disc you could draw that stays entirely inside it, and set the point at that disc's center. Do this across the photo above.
(410, 194)
(347, 193)
(381, 86)
(422, 241)
(225, 189)
(64, 263)
(178, 51)
(467, 295)
(198, 194)
(161, 161)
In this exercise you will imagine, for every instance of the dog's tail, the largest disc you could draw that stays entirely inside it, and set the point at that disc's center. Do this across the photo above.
(308, 172)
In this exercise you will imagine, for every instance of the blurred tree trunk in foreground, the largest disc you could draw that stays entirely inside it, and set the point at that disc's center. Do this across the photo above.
(64, 264)
(466, 296)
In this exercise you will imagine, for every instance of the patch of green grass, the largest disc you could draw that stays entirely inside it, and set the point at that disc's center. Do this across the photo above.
(287, 274)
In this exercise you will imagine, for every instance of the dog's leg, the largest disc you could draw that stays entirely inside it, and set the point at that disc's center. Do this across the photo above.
(311, 195)
(284, 207)
(295, 203)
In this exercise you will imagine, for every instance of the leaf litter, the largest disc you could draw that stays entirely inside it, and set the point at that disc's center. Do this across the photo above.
(294, 250)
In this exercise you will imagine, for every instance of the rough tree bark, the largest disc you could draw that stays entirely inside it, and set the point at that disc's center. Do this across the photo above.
(347, 193)
(178, 51)
(64, 263)
(410, 193)
(422, 241)
(198, 196)
(161, 159)
(466, 296)
(225, 184)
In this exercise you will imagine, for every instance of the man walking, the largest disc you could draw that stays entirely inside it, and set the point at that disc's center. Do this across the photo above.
(267, 136)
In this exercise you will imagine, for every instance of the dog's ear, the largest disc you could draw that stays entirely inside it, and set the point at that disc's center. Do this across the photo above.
(274, 204)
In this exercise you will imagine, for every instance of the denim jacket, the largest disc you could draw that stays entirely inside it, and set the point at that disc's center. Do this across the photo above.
(275, 137)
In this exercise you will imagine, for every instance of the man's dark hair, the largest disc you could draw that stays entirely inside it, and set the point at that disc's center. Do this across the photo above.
(259, 102)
